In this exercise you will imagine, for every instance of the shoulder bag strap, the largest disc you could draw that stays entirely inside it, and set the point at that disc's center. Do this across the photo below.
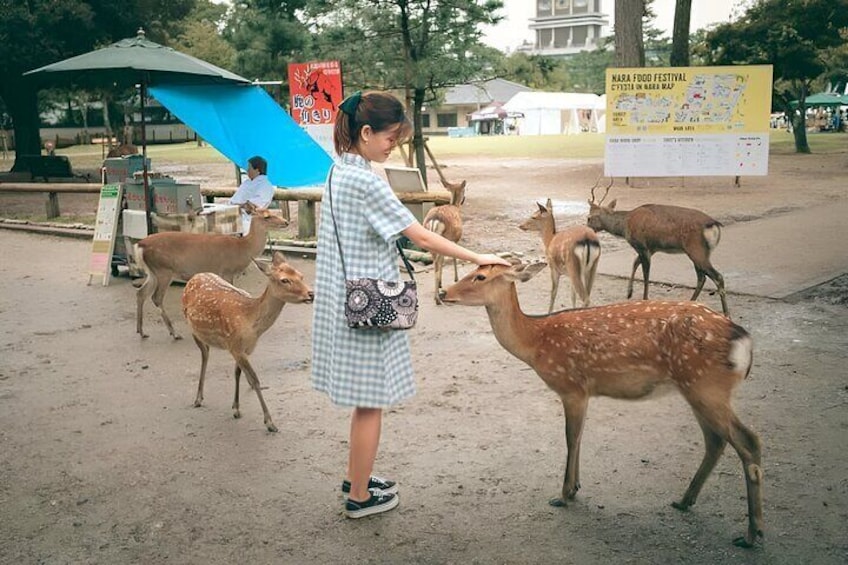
(406, 263)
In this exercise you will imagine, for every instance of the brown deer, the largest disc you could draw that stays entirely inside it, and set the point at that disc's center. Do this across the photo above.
(670, 229)
(169, 255)
(223, 316)
(446, 220)
(626, 351)
(574, 251)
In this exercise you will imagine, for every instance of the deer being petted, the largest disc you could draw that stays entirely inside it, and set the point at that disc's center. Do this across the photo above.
(446, 220)
(221, 315)
(669, 229)
(626, 351)
(169, 255)
(574, 251)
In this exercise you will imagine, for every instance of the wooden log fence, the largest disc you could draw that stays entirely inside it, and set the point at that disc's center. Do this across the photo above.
(306, 199)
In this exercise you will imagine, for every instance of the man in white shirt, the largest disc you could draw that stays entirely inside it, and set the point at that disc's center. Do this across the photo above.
(257, 189)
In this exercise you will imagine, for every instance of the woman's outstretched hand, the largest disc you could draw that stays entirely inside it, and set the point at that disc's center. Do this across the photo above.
(491, 259)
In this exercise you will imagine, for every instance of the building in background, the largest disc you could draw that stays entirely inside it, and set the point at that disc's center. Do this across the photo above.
(567, 27)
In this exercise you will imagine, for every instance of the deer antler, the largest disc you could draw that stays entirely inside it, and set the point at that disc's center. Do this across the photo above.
(605, 193)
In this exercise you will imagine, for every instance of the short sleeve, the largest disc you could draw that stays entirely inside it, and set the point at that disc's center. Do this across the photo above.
(384, 212)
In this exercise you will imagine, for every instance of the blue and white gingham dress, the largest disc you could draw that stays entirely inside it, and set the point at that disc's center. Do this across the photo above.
(364, 367)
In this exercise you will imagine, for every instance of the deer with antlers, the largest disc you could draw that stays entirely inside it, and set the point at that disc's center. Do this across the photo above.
(221, 315)
(169, 255)
(446, 220)
(626, 351)
(574, 251)
(658, 227)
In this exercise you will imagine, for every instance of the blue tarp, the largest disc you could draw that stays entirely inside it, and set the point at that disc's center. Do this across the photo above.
(243, 121)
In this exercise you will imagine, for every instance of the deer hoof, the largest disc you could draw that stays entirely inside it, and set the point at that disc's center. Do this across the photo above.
(236, 414)
(272, 427)
(558, 502)
(198, 403)
(743, 541)
(682, 506)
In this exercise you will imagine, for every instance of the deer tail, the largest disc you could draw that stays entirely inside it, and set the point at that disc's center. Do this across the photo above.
(712, 234)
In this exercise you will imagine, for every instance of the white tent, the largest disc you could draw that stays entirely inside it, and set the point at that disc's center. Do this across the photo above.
(553, 113)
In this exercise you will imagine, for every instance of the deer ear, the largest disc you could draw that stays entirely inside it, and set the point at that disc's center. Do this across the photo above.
(249, 207)
(541, 208)
(523, 273)
(550, 206)
(612, 204)
(279, 258)
(263, 265)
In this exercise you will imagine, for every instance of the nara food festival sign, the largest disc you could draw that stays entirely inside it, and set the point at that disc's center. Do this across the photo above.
(687, 121)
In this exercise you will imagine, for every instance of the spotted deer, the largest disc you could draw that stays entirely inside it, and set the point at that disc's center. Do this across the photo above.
(169, 255)
(446, 220)
(223, 316)
(670, 229)
(626, 351)
(574, 251)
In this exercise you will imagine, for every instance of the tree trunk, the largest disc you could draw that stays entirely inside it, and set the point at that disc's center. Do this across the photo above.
(629, 44)
(418, 139)
(799, 122)
(680, 35)
(22, 105)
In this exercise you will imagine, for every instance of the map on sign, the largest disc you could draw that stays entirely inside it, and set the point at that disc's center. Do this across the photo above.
(688, 121)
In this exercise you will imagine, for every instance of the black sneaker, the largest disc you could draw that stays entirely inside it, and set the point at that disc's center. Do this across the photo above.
(374, 483)
(379, 502)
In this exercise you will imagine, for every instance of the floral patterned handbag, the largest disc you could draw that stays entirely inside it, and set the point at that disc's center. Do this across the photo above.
(376, 303)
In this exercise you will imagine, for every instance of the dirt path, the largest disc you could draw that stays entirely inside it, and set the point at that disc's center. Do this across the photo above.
(104, 460)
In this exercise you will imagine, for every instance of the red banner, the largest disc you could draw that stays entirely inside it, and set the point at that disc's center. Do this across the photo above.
(316, 91)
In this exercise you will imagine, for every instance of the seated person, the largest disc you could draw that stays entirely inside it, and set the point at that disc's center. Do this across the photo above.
(257, 189)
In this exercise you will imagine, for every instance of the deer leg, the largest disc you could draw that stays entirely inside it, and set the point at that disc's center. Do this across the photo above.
(147, 288)
(747, 445)
(718, 280)
(636, 263)
(590, 280)
(554, 287)
(721, 420)
(236, 411)
(702, 277)
(204, 358)
(575, 416)
(646, 273)
(455, 271)
(438, 263)
(159, 300)
(251, 377)
(714, 446)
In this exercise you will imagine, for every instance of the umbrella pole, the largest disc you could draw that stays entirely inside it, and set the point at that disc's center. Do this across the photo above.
(147, 191)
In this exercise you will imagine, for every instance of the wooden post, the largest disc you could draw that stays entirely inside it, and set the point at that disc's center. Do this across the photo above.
(52, 205)
(305, 219)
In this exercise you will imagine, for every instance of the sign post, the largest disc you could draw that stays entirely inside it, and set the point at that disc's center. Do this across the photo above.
(105, 231)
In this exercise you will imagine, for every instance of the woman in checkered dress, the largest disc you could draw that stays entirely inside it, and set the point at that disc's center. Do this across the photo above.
(365, 369)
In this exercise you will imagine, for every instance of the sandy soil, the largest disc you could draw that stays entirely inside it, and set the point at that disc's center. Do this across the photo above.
(104, 459)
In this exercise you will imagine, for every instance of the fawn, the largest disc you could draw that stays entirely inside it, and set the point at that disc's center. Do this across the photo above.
(574, 251)
(223, 316)
(446, 220)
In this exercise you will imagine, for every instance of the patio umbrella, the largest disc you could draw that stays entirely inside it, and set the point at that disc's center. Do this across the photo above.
(129, 62)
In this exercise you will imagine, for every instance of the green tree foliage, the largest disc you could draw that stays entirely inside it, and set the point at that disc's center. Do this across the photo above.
(418, 46)
(201, 35)
(797, 37)
(266, 36)
(39, 32)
